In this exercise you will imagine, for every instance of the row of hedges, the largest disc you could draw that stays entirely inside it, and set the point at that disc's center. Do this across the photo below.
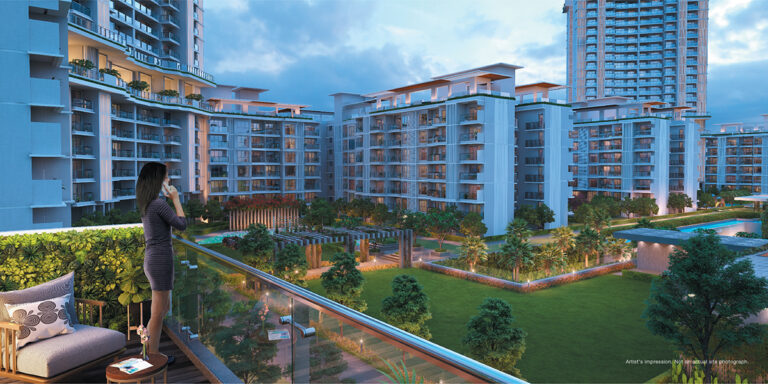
(674, 223)
(98, 257)
(533, 285)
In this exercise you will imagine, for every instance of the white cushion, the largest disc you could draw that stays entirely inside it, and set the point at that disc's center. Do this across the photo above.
(40, 319)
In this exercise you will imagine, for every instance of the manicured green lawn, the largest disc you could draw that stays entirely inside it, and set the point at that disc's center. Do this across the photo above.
(433, 244)
(581, 332)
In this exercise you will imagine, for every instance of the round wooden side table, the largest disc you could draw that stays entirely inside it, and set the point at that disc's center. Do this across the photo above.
(159, 366)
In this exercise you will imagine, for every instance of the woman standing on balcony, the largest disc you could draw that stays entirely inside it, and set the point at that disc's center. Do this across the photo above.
(158, 218)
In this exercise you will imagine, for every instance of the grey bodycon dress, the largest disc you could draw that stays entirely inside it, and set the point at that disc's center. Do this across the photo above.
(158, 256)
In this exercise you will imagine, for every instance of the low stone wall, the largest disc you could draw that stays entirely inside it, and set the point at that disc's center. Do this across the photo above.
(533, 285)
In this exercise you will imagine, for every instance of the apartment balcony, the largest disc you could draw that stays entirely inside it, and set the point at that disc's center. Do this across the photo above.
(122, 114)
(86, 173)
(469, 176)
(171, 156)
(470, 156)
(45, 93)
(172, 139)
(435, 157)
(222, 144)
(533, 126)
(219, 159)
(44, 36)
(47, 193)
(82, 150)
(534, 195)
(149, 137)
(534, 161)
(149, 155)
(148, 119)
(124, 192)
(82, 128)
(534, 143)
(117, 173)
(84, 197)
(644, 146)
(534, 178)
(642, 174)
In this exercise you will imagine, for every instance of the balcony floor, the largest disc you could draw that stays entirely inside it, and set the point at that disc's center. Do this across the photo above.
(182, 371)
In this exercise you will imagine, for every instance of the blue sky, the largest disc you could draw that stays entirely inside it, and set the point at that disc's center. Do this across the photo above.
(304, 51)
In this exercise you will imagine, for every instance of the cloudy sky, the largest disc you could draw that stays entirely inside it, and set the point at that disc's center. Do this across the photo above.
(304, 51)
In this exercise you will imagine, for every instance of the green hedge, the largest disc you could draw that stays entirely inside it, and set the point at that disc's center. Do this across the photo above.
(634, 275)
(694, 220)
(98, 257)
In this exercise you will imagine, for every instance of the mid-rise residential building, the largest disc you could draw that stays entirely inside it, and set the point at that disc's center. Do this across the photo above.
(629, 148)
(453, 141)
(34, 103)
(253, 152)
(99, 89)
(735, 157)
(641, 49)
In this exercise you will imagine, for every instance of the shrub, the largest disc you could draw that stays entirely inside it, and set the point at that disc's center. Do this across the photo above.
(194, 96)
(110, 71)
(291, 265)
(138, 85)
(99, 258)
(408, 307)
(169, 93)
(343, 282)
(86, 64)
(492, 339)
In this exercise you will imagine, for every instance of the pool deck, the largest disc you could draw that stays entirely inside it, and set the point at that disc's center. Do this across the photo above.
(716, 224)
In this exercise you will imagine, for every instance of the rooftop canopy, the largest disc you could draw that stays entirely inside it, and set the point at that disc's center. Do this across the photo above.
(663, 236)
(759, 198)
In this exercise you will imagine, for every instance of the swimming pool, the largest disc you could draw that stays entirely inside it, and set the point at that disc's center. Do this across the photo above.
(218, 238)
(727, 227)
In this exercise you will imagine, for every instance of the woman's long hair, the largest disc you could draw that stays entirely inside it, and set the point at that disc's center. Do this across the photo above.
(149, 184)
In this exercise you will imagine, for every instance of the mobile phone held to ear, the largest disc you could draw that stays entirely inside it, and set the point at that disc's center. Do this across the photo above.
(165, 189)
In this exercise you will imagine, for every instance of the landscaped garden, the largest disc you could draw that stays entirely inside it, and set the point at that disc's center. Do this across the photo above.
(581, 332)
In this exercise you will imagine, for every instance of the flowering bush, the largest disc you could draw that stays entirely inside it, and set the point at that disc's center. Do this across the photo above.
(243, 203)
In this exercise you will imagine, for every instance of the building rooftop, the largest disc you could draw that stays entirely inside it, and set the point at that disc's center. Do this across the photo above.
(663, 236)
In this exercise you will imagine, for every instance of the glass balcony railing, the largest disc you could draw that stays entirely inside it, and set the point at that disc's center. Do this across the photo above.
(254, 327)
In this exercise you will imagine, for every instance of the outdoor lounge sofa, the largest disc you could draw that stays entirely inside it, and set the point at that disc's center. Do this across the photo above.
(53, 359)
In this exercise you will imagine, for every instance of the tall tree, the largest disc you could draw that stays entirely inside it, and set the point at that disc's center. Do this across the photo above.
(538, 215)
(706, 199)
(645, 206)
(550, 257)
(343, 282)
(416, 221)
(472, 225)
(516, 250)
(380, 214)
(257, 247)
(243, 343)
(442, 223)
(362, 208)
(519, 228)
(213, 210)
(326, 361)
(608, 203)
(589, 242)
(598, 218)
(679, 201)
(616, 247)
(564, 238)
(408, 307)
(492, 339)
(194, 208)
(319, 213)
(291, 265)
(474, 250)
(764, 225)
(702, 301)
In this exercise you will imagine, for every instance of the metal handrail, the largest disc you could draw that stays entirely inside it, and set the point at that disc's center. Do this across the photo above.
(460, 363)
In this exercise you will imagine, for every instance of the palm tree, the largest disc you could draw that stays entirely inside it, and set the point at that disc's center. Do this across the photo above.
(616, 247)
(518, 252)
(519, 228)
(590, 243)
(474, 249)
(564, 238)
(599, 219)
(551, 255)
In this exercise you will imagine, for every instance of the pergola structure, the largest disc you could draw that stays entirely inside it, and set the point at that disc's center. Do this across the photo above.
(655, 245)
(313, 241)
(757, 200)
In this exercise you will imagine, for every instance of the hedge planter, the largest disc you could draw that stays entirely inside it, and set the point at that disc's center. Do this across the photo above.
(434, 253)
(529, 286)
